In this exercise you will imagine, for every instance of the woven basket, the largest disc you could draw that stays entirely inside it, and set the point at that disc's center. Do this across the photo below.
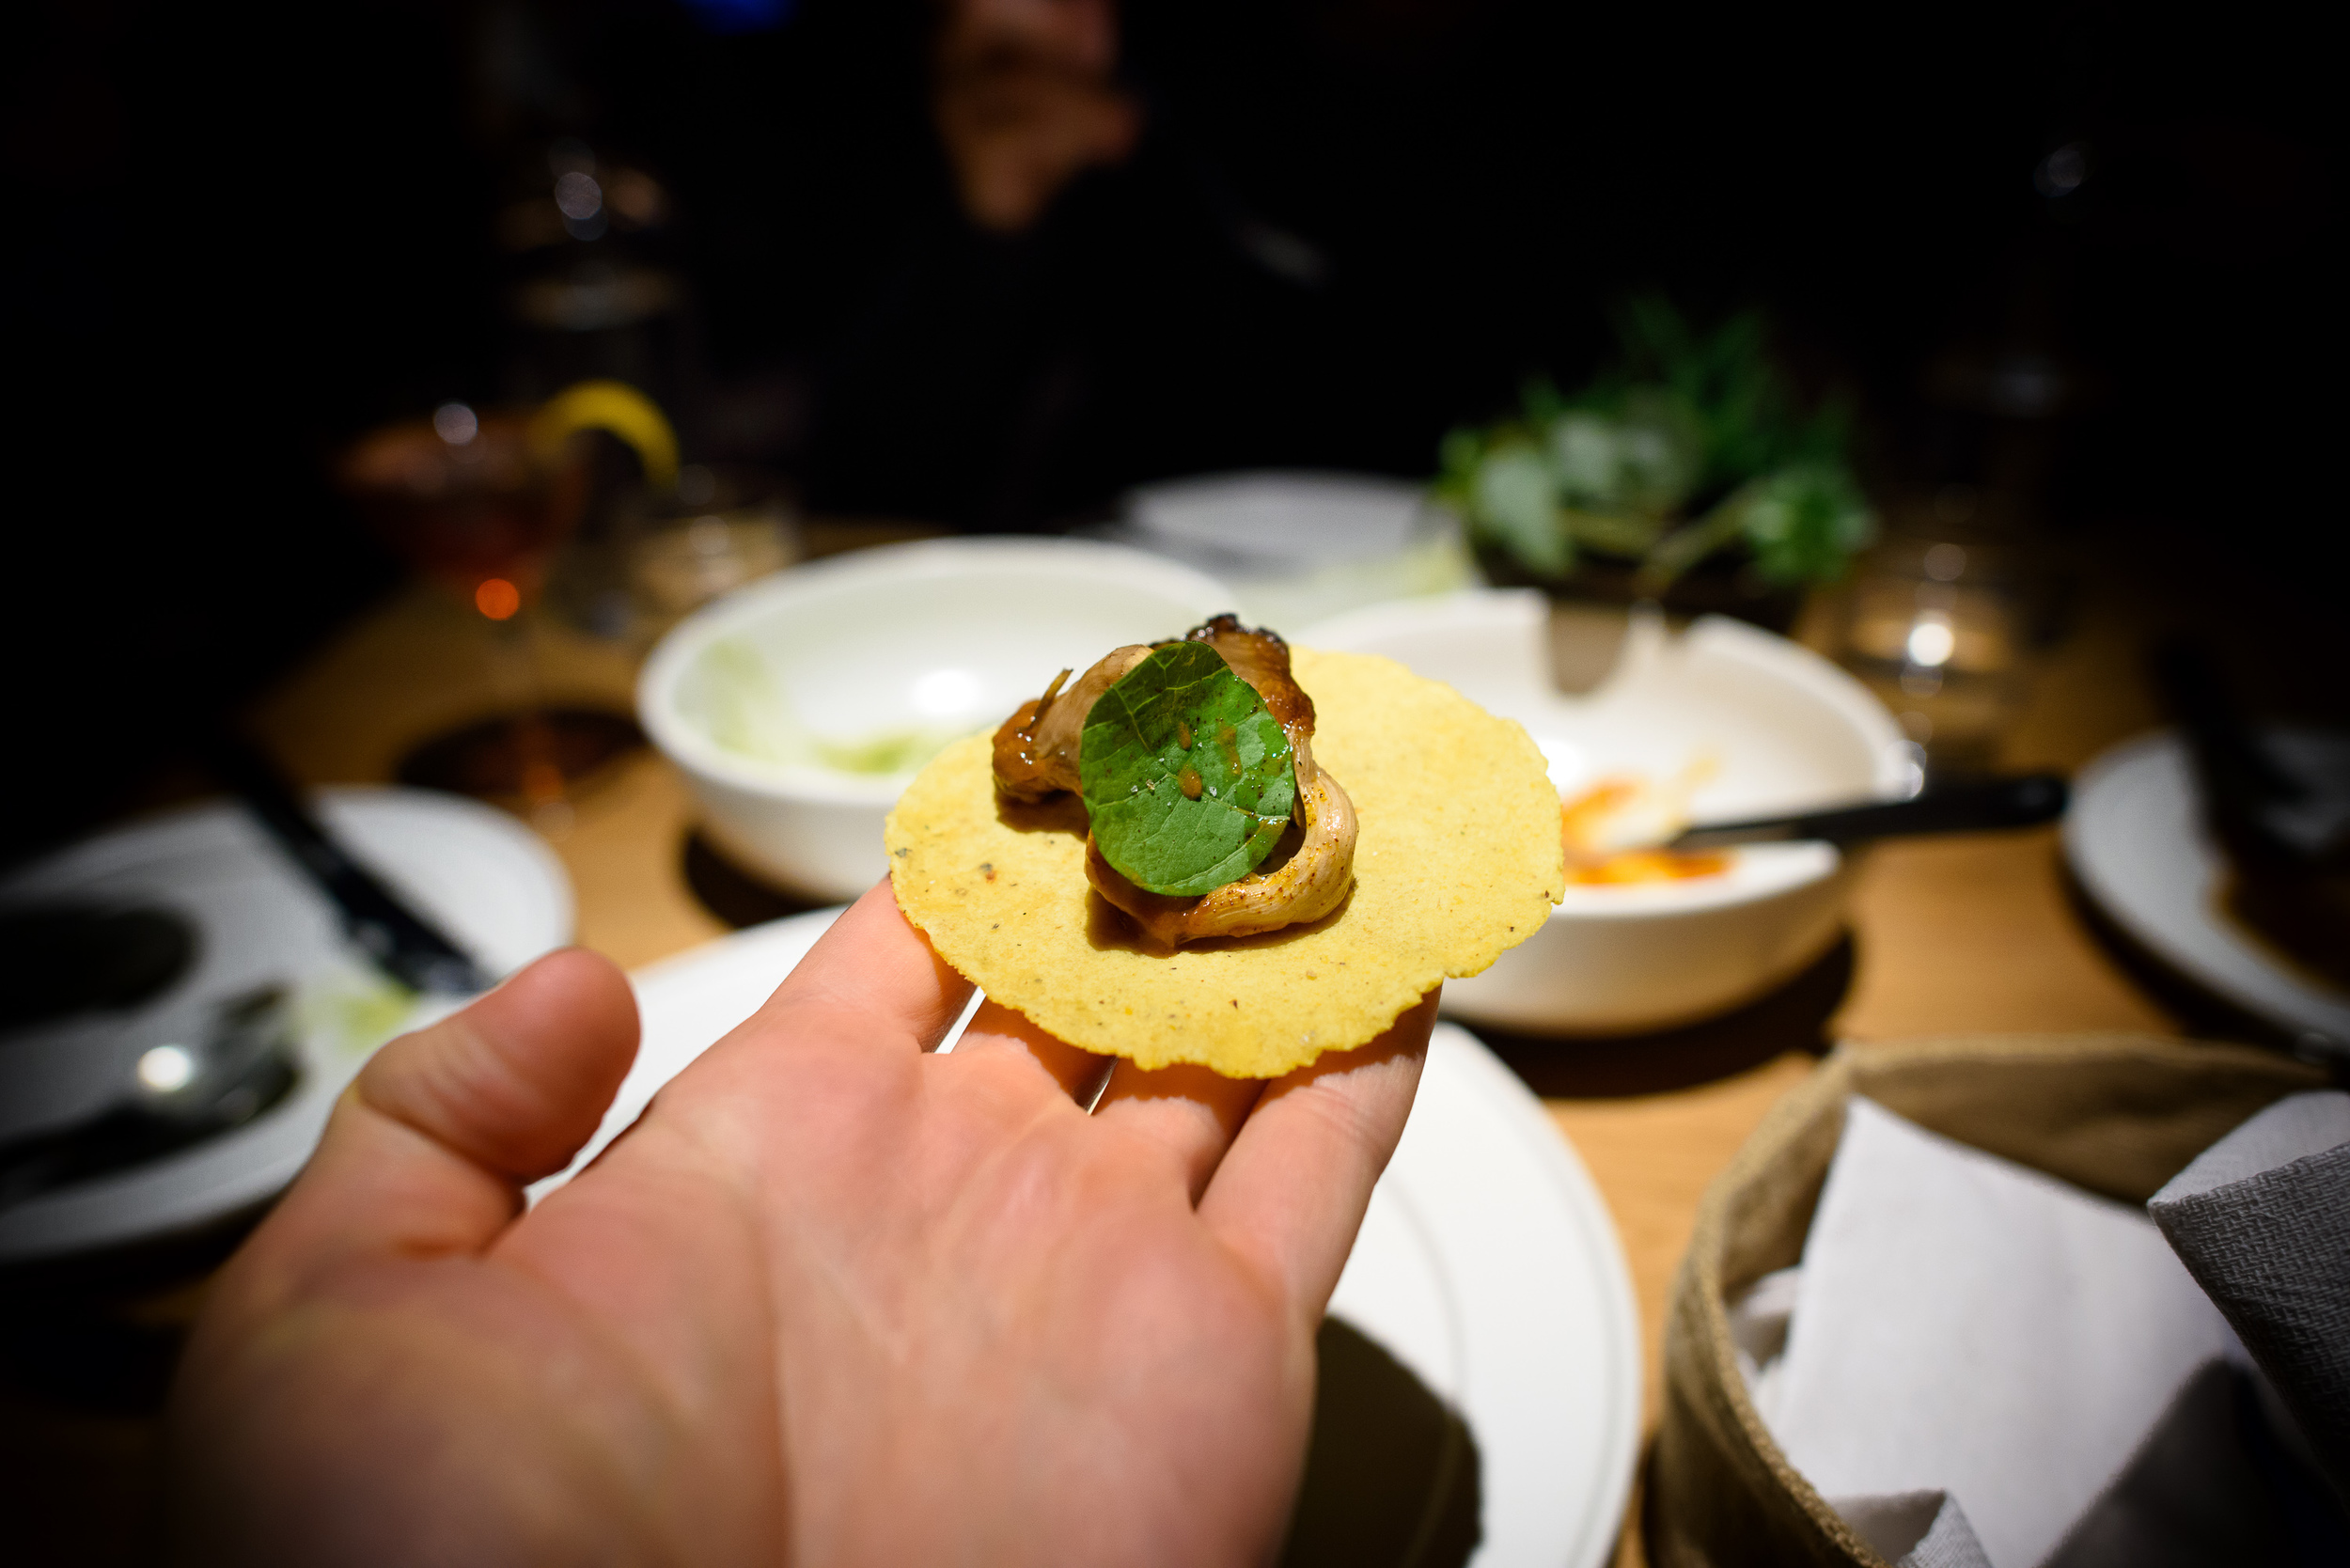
(2115, 1114)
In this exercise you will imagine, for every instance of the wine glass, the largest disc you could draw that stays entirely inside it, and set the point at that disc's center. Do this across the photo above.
(477, 502)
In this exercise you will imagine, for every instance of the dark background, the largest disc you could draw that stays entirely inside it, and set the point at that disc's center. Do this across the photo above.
(237, 243)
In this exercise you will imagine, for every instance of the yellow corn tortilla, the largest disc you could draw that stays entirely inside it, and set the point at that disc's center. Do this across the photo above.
(1457, 860)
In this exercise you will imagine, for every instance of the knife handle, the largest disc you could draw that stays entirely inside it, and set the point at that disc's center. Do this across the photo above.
(1992, 804)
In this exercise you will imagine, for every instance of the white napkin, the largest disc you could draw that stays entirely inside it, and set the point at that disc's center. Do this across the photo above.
(1964, 1326)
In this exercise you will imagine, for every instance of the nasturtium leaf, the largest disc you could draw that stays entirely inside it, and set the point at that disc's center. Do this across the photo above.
(1188, 780)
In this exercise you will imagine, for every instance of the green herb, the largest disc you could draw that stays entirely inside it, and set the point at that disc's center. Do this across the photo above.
(1188, 780)
(1803, 520)
(1691, 446)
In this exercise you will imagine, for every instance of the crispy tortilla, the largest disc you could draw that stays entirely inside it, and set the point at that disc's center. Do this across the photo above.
(1459, 859)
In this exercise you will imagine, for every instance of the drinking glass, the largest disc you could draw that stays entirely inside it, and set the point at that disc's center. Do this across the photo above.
(477, 503)
(719, 529)
(1936, 625)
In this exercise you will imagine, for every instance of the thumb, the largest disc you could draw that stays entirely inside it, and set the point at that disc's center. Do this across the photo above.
(515, 1083)
(428, 1153)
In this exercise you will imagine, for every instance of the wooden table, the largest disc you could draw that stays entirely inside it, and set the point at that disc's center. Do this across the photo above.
(1949, 936)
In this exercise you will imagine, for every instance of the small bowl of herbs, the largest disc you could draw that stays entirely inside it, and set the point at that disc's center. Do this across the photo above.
(1690, 472)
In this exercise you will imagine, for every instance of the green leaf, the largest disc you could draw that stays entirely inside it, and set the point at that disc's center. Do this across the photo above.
(1804, 521)
(1694, 442)
(1188, 780)
(1512, 502)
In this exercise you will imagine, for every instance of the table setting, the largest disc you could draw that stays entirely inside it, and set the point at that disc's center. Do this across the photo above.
(1070, 780)
(262, 922)
(1732, 801)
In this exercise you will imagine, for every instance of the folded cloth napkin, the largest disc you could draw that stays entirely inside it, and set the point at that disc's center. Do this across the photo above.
(1915, 1529)
(2262, 1219)
(1968, 1327)
(2212, 1485)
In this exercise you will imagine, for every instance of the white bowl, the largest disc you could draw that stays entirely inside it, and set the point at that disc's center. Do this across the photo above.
(946, 637)
(1784, 730)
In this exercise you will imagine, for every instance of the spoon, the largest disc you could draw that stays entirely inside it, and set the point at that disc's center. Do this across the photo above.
(2024, 802)
(180, 1092)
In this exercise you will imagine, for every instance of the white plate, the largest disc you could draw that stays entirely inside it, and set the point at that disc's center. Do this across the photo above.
(481, 875)
(1487, 1262)
(2136, 840)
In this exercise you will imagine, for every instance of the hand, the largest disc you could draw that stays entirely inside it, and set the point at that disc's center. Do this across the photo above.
(831, 1300)
(1024, 102)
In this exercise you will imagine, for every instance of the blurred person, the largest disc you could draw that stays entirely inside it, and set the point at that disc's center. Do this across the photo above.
(1025, 99)
(832, 1299)
(1115, 289)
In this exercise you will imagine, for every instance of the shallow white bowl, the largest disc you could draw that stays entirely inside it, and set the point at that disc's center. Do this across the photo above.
(1785, 729)
(950, 635)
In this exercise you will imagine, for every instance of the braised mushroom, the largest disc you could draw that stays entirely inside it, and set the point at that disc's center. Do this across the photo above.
(1310, 870)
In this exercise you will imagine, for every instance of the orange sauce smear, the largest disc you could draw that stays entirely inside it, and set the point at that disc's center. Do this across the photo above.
(1580, 821)
(1630, 866)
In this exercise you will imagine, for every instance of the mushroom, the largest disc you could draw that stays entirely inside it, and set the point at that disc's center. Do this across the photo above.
(1036, 750)
(1310, 869)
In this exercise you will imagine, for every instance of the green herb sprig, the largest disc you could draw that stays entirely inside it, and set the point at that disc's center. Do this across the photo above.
(1691, 446)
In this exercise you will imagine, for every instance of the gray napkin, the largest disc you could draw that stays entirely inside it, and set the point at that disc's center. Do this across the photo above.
(2211, 1484)
(2261, 1220)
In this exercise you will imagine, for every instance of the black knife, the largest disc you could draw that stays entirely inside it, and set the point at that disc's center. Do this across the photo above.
(401, 942)
(2024, 802)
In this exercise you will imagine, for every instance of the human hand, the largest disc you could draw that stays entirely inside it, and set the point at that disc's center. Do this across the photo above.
(831, 1300)
(1024, 102)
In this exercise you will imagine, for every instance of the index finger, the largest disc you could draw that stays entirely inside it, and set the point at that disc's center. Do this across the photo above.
(1292, 1191)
